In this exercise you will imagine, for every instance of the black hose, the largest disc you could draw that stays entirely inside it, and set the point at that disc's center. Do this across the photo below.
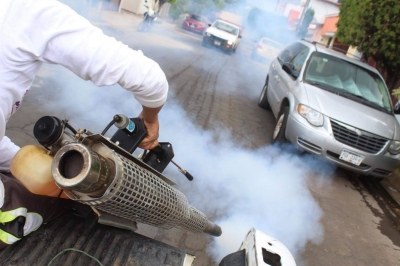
(109, 125)
(70, 128)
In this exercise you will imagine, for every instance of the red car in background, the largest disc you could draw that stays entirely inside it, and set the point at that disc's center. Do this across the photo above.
(195, 23)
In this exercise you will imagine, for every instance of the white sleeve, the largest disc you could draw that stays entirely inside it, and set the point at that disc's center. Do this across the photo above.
(8, 150)
(75, 43)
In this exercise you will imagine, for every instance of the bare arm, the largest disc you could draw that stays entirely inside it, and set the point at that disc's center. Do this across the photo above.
(150, 117)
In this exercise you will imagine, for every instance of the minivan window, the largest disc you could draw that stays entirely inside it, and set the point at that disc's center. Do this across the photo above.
(345, 78)
(299, 60)
(290, 52)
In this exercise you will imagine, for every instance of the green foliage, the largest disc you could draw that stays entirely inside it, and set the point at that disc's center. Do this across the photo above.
(200, 7)
(374, 28)
(234, 1)
(396, 93)
(166, 1)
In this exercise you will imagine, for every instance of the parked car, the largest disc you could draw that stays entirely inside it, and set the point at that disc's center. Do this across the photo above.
(266, 49)
(333, 106)
(195, 23)
(223, 35)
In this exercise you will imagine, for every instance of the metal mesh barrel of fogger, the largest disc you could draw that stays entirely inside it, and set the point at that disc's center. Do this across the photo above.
(127, 190)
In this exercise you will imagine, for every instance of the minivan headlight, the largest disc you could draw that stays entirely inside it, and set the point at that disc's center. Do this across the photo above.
(394, 147)
(230, 42)
(315, 118)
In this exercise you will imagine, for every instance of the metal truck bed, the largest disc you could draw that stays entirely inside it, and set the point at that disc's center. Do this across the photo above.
(109, 245)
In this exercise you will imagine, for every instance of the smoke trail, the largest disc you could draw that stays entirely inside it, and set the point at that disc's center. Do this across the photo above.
(265, 189)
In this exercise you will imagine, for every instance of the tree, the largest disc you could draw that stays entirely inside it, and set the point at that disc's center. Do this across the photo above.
(156, 4)
(373, 27)
(305, 22)
(161, 2)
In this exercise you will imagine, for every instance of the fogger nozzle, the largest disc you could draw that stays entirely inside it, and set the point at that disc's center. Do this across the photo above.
(116, 185)
(76, 167)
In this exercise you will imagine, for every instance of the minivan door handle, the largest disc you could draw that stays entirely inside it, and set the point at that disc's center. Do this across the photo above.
(277, 78)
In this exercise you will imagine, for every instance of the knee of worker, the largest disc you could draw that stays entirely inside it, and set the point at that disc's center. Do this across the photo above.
(17, 198)
(15, 224)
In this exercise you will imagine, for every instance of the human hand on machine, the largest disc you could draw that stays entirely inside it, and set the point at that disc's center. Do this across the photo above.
(157, 155)
(150, 119)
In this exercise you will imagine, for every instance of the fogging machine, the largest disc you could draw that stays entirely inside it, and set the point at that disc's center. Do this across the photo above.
(121, 188)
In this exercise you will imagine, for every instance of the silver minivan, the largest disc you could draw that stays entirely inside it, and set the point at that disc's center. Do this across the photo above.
(333, 106)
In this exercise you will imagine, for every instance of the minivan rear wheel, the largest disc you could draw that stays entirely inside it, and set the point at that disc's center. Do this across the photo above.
(263, 101)
(279, 131)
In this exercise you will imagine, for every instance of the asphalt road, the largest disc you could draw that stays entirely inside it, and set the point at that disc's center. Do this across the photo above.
(324, 215)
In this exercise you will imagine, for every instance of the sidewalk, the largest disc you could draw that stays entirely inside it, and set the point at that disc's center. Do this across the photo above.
(392, 185)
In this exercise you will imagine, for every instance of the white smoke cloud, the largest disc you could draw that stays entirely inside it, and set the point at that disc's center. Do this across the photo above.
(264, 188)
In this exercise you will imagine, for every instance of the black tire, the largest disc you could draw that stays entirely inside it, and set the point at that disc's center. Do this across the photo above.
(278, 135)
(203, 43)
(263, 101)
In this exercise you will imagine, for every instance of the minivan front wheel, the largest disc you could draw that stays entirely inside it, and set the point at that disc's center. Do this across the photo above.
(263, 101)
(279, 131)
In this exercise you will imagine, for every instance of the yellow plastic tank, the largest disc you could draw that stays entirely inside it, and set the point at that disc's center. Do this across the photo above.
(32, 166)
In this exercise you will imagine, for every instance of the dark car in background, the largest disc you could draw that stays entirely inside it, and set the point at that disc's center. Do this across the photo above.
(195, 23)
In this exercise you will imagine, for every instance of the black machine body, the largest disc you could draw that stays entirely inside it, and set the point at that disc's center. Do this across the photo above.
(160, 156)
(129, 137)
(50, 132)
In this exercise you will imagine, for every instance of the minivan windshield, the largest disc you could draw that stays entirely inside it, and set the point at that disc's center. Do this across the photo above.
(347, 79)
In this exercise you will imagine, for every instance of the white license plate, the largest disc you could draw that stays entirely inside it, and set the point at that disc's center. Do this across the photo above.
(350, 157)
(192, 26)
(217, 43)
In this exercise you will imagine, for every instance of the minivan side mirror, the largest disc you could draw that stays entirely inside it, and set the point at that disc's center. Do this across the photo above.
(289, 68)
(237, 258)
(396, 108)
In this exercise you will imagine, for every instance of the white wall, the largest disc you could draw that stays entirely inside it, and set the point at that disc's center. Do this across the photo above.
(323, 9)
(134, 6)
